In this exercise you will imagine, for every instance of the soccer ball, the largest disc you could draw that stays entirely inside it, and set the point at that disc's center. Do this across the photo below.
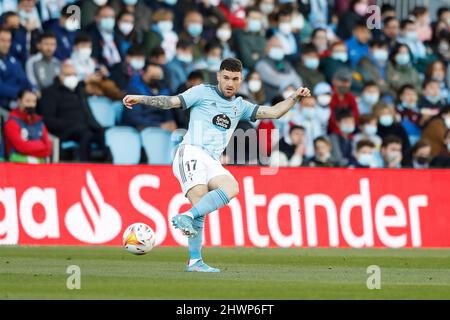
(138, 238)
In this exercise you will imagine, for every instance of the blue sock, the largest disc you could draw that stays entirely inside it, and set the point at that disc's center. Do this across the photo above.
(211, 201)
(195, 243)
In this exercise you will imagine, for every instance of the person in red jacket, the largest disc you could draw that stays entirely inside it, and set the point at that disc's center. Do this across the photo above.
(342, 98)
(25, 133)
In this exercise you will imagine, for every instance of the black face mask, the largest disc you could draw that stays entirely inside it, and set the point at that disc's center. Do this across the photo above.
(422, 160)
(154, 83)
(30, 110)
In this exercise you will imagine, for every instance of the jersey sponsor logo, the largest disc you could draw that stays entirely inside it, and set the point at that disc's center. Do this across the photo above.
(222, 122)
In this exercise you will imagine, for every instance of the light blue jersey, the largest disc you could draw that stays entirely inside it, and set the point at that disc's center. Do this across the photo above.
(213, 117)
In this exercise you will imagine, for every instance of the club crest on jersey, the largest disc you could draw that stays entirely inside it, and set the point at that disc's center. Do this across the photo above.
(222, 122)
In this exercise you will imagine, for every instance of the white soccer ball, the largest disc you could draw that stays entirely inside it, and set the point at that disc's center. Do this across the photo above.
(138, 238)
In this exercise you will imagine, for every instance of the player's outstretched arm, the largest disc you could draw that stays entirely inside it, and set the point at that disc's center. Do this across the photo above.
(278, 110)
(161, 102)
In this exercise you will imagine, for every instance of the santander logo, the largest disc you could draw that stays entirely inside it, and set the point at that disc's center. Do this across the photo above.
(92, 220)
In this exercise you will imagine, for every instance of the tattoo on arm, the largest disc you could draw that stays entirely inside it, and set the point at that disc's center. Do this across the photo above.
(161, 102)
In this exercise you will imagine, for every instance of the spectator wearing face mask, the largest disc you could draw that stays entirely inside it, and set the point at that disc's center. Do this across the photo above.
(364, 155)
(289, 41)
(253, 89)
(223, 36)
(322, 154)
(134, 62)
(308, 66)
(412, 119)
(192, 32)
(161, 33)
(65, 29)
(369, 97)
(436, 130)
(31, 23)
(211, 64)
(373, 67)
(105, 45)
(408, 36)
(12, 76)
(367, 130)
(437, 71)
(423, 23)
(389, 32)
(126, 33)
(26, 136)
(342, 140)
(319, 40)
(290, 153)
(181, 65)
(342, 98)
(388, 125)
(421, 155)
(357, 45)
(442, 160)
(322, 92)
(66, 114)
(90, 72)
(337, 60)
(307, 116)
(250, 41)
(43, 67)
(400, 70)
(139, 9)
(275, 69)
(356, 14)
(391, 152)
(431, 101)
(89, 10)
(149, 84)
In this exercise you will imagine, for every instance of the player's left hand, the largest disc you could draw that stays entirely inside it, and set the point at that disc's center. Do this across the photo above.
(302, 92)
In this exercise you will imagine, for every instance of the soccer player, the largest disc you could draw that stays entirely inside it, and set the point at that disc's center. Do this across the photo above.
(215, 113)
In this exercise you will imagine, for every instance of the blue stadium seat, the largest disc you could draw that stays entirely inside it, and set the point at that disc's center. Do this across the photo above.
(103, 110)
(124, 143)
(158, 145)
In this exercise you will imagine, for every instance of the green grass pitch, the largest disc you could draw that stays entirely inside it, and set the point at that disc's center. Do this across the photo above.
(111, 273)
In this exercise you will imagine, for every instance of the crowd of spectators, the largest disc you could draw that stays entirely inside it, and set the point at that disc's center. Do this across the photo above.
(380, 96)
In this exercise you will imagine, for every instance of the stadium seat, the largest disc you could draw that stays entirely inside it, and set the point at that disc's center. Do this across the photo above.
(103, 110)
(124, 143)
(158, 145)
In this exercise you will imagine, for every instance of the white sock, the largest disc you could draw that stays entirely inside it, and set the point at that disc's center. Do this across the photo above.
(192, 261)
(189, 214)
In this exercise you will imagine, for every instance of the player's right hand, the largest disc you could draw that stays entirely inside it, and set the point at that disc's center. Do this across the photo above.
(130, 100)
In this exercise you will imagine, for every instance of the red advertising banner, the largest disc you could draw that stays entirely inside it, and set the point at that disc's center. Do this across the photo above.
(78, 204)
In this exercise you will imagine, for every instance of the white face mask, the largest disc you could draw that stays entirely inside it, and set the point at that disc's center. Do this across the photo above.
(254, 85)
(266, 7)
(298, 22)
(84, 53)
(285, 28)
(223, 34)
(447, 122)
(324, 100)
(165, 26)
(126, 27)
(71, 24)
(100, 3)
(71, 82)
(137, 64)
(276, 53)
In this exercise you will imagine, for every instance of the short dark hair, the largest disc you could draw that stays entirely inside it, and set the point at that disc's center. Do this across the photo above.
(422, 143)
(309, 48)
(388, 20)
(441, 11)
(366, 118)
(295, 127)
(322, 139)
(5, 30)
(378, 43)
(370, 83)
(82, 38)
(419, 10)
(390, 139)
(156, 52)
(22, 93)
(387, 7)
(405, 22)
(184, 44)
(7, 15)
(343, 113)
(231, 64)
(364, 143)
(211, 45)
(196, 74)
(428, 81)
(405, 87)
(46, 35)
(313, 34)
(136, 50)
